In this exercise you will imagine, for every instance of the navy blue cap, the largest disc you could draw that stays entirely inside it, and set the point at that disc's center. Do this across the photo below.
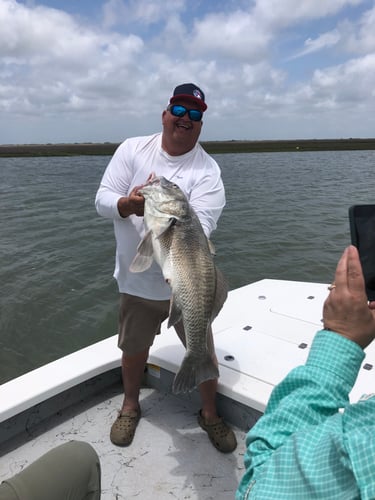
(190, 92)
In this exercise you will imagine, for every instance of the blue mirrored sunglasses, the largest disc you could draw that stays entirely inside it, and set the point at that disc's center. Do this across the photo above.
(177, 110)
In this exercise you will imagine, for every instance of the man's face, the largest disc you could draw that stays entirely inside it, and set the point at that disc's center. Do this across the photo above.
(180, 133)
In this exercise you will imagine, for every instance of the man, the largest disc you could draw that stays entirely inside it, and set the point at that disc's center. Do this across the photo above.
(311, 443)
(144, 297)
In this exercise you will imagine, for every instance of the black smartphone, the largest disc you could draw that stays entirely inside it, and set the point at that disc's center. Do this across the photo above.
(362, 232)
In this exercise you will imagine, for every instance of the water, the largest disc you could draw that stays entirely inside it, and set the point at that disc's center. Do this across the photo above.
(286, 218)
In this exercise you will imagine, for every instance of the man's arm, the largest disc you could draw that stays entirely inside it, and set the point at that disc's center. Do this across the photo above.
(113, 199)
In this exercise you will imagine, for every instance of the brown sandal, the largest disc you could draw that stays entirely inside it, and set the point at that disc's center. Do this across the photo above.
(123, 428)
(221, 436)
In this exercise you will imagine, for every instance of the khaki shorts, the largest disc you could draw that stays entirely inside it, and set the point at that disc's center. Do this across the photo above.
(140, 320)
(72, 470)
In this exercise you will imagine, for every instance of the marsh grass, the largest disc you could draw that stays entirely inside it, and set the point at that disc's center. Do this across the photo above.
(212, 147)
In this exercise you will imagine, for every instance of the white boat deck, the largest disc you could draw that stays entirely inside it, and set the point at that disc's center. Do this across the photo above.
(263, 331)
(170, 457)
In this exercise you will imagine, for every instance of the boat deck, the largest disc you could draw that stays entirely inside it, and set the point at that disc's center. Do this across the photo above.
(264, 330)
(170, 457)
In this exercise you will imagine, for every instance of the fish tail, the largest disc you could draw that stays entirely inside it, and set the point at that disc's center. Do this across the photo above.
(193, 371)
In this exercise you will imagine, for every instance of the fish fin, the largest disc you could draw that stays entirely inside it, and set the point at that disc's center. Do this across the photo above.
(211, 247)
(165, 227)
(221, 293)
(144, 256)
(193, 371)
(175, 313)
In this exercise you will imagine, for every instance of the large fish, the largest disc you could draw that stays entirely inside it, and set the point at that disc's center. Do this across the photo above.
(176, 240)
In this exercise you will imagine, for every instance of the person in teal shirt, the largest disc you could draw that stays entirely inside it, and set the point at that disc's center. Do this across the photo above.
(311, 443)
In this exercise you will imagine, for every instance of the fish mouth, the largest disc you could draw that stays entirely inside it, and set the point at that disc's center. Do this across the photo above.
(153, 180)
(156, 180)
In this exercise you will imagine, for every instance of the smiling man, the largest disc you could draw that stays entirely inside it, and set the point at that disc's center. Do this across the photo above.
(182, 120)
(145, 297)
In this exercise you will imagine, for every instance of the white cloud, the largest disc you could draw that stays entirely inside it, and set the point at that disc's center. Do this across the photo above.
(356, 77)
(360, 37)
(324, 41)
(288, 12)
(237, 35)
(114, 77)
(348, 37)
(146, 12)
(31, 34)
(52, 62)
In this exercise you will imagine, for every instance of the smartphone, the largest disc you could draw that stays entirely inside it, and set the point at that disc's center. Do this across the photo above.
(362, 233)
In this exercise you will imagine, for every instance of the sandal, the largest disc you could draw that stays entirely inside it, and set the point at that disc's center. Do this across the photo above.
(123, 428)
(221, 436)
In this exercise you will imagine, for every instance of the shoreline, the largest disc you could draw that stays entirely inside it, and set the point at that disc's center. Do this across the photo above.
(212, 147)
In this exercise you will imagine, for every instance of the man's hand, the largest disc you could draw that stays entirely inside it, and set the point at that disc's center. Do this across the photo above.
(132, 204)
(346, 310)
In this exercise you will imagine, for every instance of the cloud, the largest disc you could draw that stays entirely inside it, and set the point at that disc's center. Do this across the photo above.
(348, 37)
(116, 73)
(360, 37)
(119, 12)
(289, 12)
(30, 35)
(236, 35)
(324, 41)
(357, 79)
(52, 64)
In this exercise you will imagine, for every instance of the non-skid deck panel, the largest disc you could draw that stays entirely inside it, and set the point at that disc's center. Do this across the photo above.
(265, 330)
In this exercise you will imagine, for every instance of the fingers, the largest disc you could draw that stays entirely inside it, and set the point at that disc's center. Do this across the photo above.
(346, 310)
(135, 192)
(341, 281)
(356, 282)
(348, 276)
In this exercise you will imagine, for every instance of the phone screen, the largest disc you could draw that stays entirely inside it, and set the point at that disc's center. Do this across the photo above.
(362, 231)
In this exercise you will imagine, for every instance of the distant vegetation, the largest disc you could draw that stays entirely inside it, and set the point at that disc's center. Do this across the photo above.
(288, 145)
(212, 147)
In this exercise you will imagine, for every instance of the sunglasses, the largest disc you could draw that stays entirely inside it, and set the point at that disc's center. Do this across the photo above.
(177, 110)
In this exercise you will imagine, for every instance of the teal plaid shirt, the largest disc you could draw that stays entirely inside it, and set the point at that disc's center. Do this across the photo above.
(303, 447)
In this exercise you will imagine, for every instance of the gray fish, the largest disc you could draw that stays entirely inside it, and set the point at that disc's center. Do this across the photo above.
(175, 239)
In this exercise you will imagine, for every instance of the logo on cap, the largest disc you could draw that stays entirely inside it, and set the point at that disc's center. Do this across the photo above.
(197, 94)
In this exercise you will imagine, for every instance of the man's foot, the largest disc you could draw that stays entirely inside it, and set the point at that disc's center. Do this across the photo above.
(221, 436)
(123, 428)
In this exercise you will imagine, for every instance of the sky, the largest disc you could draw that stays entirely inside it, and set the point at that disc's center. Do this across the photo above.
(104, 70)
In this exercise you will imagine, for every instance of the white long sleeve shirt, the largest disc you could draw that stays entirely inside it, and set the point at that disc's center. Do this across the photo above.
(195, 172)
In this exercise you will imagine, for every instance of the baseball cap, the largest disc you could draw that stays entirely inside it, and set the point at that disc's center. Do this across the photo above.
(190, 92)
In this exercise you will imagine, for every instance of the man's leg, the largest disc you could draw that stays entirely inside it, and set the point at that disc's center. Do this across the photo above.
(139, 322)
(123, 429)
(208, 389)
(208, 392)
(133, 368)
(221, 436)
(71, 470)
